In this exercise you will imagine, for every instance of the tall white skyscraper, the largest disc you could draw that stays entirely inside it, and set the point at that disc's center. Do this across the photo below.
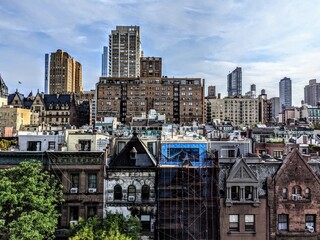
(285, 93)
(125, 51)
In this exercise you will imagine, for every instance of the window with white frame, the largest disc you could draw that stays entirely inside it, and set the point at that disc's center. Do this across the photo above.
(233, 222)
(249, 222)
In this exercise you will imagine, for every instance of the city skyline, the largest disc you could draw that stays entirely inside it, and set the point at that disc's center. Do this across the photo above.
(268, 40)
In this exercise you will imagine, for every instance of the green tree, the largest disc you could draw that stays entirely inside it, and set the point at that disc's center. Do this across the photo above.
(113, 227)
(28, 200)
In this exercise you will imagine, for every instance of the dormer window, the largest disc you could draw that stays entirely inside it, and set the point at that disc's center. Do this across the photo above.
(133, 153)
(235, 193)
(249, 193)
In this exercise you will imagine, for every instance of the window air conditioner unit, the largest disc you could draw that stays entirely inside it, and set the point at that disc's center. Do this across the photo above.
(310, 229)
(92, 190)
(131, 198)
(294, 197)
(73, 222)
(74, 190)
(299, 197)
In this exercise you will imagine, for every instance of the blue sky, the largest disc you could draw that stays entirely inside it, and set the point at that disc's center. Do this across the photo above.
(270, 40)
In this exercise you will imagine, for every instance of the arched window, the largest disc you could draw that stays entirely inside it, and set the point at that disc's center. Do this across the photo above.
(117, 192)
(145, 192)
(307, 193)
(296, 190)
(285, 193)
(131, 193)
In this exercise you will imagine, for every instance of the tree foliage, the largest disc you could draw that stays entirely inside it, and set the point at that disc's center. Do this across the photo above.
(113, 227)
(28, 200)
(6, 144)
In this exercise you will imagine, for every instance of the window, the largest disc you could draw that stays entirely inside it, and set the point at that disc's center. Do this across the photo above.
(74, 180)
(285, 193)
(131, 193)
(91, 211)
(235, 193)
(248, 192)
(34, 146)
(310, 222)
(233, 222)
(92, 180)
(307, 193)
(145, 222)
(283, 222)
(85, 145)
(249, 223)
(73, 213)
(296, 193)
(117, 192)
(152, 147)
(231, 153)
(51, 145)
(277, 154)
(145, 192)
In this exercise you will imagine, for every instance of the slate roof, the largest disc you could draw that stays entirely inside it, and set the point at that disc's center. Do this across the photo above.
(144, 159)
(26, 102)
(57, 99)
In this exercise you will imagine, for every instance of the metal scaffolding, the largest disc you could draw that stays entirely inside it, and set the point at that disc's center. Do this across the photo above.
(188, 200)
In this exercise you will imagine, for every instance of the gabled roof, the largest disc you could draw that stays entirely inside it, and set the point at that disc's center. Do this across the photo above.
(241, 172)
(144, 159)
(24, 102)
(3, 88)
(293, 158)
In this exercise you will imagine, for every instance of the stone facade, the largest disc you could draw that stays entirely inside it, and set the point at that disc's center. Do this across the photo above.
(130, 184)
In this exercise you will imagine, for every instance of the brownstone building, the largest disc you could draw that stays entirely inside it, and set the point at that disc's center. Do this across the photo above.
(81, 175)
(180, 99)
(294, 200)
(243, 201)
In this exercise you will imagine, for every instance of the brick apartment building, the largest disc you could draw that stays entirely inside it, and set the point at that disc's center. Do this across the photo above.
(180, 99)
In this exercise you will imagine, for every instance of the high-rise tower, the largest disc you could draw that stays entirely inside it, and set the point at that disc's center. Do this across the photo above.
(285, 93)
(124, 51)
(65, 73)
(46, 73)
(104, 62)
(312, 93)
(234, 84)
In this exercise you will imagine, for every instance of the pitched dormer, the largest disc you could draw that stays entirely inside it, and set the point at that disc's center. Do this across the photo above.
(242, 185)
